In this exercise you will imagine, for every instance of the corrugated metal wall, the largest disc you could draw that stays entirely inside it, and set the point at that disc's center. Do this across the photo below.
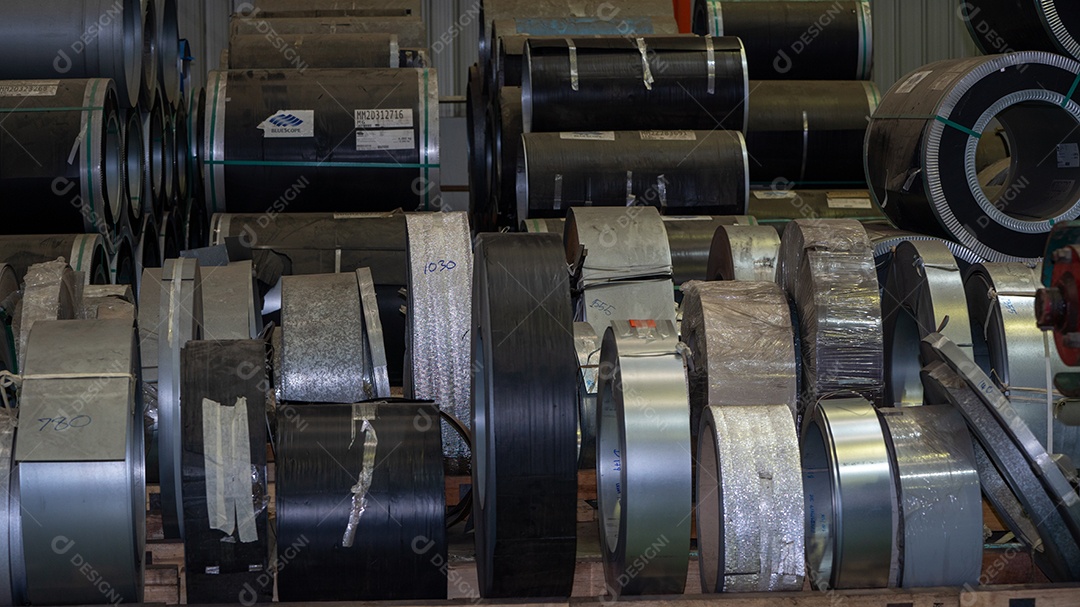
(911, 33)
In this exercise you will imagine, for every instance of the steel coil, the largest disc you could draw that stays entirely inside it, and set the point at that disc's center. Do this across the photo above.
(196, 117)
(301, 51)
(1000, 26)
(479, 154)
(148, 78)
(1013, 351)
(100, 302)
(122, 261)
(9, 510)
(741, 344)
(304, 12)
(230, 302)
(795, 40)
(587, 346)
(411, 32)
(169, 59)
(621, 263)
(524, 456)
(179, 320)
(851, 506)
(938, 487)
(49, 293)
(147, 322)
(169, 193)
(224, 471)
(81, 489)
(10, 296)
(743, 252)
(924, 294)
(153, 132)
(85, 253)
(64, 151)
(412, 6)
(643, 469)
(182, 141)
(134, 173)
(804, 133)
(508, 61)
(507, 153)
(47, 38)
(886, 238)
(147, 250)
(921, 151)
(438, 318)
(169, 237)
(353, 530)
(326, 350)
(778, 206)
(642, 82)
(679, 172)
(827, 268)
(690, 241)
(391, 160)
(749, 503)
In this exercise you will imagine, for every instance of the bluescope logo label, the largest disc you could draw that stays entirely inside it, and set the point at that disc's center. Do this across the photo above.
(289, 123)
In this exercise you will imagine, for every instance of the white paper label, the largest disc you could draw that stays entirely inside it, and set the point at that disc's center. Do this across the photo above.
(389, 118)
(390, 139)
(289, 123)
(850, 203)
(1068, 156)
(29, 88)
(589, 135)
(913, 81)
(668, 136)
(774, 194)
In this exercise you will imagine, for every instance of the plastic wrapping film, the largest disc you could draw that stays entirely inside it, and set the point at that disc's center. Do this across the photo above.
(48, 294)
(437, 330)
(1014, 352)
(827, 268)
(742, 252)
(749, 500)
(742, 346)
(941, 535)
(107, 301)
(587, 345)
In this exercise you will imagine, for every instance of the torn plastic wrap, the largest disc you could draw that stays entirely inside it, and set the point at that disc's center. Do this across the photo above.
(48, 294)
(107, 301)
(750, 500)
(740, 252)
(742, 346)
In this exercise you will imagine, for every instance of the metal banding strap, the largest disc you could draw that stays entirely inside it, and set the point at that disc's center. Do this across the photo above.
(438, 320)
(749, 504)
(524, 416)
(399, 540)
(80, 479)
(229, 302)
(710, 64)
(1059, 558)
(587, 345)
(924, 294)
(91, 138)
(938, 486)
(373, 333)
(180, 319)
(741, 344)
(716, 17)
(646, 72)
(643, 467)
(744, 252)
(573, 64)
(851, 507)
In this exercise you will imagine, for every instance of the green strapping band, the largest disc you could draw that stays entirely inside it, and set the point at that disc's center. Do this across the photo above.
(89, 156)
(716, 28)
(1072, 89)
(19, 110)
(309, 163)
(82, 247)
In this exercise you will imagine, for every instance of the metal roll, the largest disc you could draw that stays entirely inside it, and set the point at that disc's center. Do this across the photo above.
(81, 489)
(778, 206)
(1059, 558)
(587, 346)
(46, 38)
(643, 469)
(741, 344)
(633, 82)
(147, 251)
(147, 321)
(795, 40)
(245, 8)
(997, 26)
(153, 131)
(411, 32)
(134, 169)
(10, 296)
(169, 237)
(49, 293)
(438, 318)
(690, 240)
(85, 253)
(886, 238)
(297, 12)
(122, 261)
(224, 471)
(361, 503)
(101, 302)
(180, 320)
(851, 506)
(507, 153)
(679, 172)
(476, 104)
(507, 58)
(182, 141)
(938, 487)
(809, 134)
(924, 294)
(66, 155)
(230, 307)
(197, 226)
(921, 151)
(196, 118)
(742, 252)
(301, 51)
(524, 456)
(621, 264)
(169, 192)
(326, 350)
(380, 161)
(827, 268)
(9, 509)
(749, 503)
(169, 60)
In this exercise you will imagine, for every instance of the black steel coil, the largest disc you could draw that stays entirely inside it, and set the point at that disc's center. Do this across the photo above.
(182, 156)
(809, 134)
(506, 153)
(170, 63)
(317, 159)
(628, 83)
(679, 172)
(247, 8)
(800, 40)
(410, 31)
(398, 546)
(85, 253)
(153, 130)
(196, 123)
(320, 51)
(476, 104)
(134, 173)
(122, 260)
(61, 157)
(507, 60)
(778, 207)
(1005, 26)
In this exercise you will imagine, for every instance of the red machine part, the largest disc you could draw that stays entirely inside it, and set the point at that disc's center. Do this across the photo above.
(1058, 306)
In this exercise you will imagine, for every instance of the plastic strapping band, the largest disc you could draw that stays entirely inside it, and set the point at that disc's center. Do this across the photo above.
(710, 64)
(717, 17)
(1072, 89)
(646, 73)
(361, 413)
(174, 301)
(227, 463)
(558, 191)
(573, 64)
